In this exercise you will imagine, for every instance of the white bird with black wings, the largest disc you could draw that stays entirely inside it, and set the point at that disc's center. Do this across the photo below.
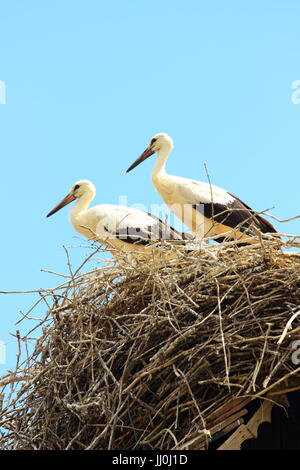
(206, 209)
(120, 228)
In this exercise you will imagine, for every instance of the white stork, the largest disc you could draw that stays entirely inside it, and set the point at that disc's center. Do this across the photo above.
(120, 228)
(206, 209)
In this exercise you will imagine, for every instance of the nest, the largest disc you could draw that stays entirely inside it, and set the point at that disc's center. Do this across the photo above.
(157, 355)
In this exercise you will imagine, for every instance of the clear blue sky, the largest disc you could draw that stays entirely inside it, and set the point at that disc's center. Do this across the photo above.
(89, 82)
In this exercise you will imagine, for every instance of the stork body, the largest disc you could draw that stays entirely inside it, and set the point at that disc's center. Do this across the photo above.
(205, 208)
(120, 228)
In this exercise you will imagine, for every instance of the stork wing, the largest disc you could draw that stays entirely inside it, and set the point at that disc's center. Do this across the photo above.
(260, 222)
(166, 232)
(141, 228)
(221, 206)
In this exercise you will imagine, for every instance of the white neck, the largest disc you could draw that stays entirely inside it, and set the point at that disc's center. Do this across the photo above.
(81, 204)
(160, 164)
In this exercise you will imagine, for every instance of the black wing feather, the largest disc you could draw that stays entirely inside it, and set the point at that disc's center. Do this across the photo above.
(166, 232)
(158, 231)
(235, 213)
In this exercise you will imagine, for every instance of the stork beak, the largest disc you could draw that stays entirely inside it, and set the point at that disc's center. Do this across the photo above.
(66, 200)
(147, 153)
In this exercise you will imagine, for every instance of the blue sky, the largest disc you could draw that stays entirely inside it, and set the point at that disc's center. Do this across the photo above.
(89, 82)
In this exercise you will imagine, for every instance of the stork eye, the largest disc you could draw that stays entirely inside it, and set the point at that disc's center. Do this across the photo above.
(76, 187)
(153, 141)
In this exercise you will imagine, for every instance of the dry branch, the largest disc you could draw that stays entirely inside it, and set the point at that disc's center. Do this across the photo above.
(157, 355)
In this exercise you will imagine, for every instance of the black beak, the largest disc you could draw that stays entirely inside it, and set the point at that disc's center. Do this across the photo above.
(66, 200)
(147, 153)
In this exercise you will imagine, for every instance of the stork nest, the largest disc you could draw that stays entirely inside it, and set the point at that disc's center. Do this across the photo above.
(143, 356)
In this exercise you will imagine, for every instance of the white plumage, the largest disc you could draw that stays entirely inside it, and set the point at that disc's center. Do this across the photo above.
(118, 227)
(205, 208)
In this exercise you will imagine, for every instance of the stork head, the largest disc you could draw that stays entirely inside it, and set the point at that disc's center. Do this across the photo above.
(157, 143)
(82, 187)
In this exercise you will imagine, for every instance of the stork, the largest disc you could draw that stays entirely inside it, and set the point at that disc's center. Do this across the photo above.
(209, 211)
(120, 228)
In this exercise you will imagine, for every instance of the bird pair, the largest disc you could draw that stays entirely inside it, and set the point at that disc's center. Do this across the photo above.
(207, 210)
